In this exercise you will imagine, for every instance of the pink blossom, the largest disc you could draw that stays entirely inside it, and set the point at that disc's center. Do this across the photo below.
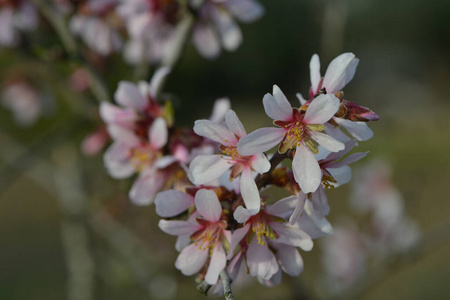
(264, 229)
(208, 235)
(216, 27)
(15, 16)
(94, 142)
(130, 154)
(23, 100)
(138, 107)
(205, 168)
(97, 25)
(297, 128)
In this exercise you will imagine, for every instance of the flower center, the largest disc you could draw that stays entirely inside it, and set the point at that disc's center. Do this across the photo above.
(260, 227)
(297, 131)
(207, 237)
(143, 156)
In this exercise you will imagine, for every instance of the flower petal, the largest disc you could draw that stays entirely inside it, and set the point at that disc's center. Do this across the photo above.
(146, 186)
(117, 162)
(290, 260)
(179, 227)
(171, 203)
(221, 106)
(260, 163)
(234, 124)
(320, 203)
(260, 140)
(158, 133)
(236, 238)
(206, 41)
(208, 205)
(250, 192)
(128, 95)
(216, 265)
(327, 141)
(157, 79)
(306, 169)
(314, 68)
(292, 236)
(260, 260)
(215, 132)
(277, 106)
(359, 130)
(340, 71)
(111, 113)
(321, 109)
(206, 168)
(191, 260)
(241, 215)
(282, 207)
(301, 198)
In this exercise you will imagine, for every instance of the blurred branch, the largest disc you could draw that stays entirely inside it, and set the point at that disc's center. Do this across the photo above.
(75, 236)
(19, 158)
(128, 245)
(58, 23)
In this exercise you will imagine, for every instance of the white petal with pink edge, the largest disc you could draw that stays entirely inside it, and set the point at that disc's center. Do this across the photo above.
(146, 186)
(292, 236)
(339, 72)
(327, 141)
(179, 227)
(208, 205)
(321, 109)
(306, 169)
(117, 162)
(191, 259)
(128, 95)
(236, 237)
(290, 260)
(260, 163)
(234, 124)
(111, 113)
(260, 140)
(277, 106)
(260, 260)
(250, 192)
(314, 69)
(206, 168)
(171, 203)
(158, 133)
(215, 132)
(216, 265)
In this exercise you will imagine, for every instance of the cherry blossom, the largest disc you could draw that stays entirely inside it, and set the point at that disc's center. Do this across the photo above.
(16, 16)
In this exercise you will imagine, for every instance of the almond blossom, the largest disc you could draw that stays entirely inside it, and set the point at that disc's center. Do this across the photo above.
(205, 168)
(97, 24)
(268, 243)
(216, 27)
(130, 154)
(297, 128)
(138, 107)
(339, 73)
(209, 238)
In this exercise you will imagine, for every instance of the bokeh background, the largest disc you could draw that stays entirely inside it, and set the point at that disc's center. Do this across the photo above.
(403, 75)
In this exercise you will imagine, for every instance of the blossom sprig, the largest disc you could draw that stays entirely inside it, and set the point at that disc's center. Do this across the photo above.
(208, 180)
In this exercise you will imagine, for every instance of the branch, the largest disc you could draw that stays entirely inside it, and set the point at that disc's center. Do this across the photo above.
(226, 285)
(70, 46)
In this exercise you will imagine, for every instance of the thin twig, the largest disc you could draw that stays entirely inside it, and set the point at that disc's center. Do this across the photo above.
(74, 231)
(228, 294)
(70, 46)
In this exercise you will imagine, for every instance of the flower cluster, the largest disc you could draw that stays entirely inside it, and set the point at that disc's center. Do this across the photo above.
(213, 201)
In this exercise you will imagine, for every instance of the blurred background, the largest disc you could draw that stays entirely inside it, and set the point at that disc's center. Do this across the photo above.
(403, 75)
